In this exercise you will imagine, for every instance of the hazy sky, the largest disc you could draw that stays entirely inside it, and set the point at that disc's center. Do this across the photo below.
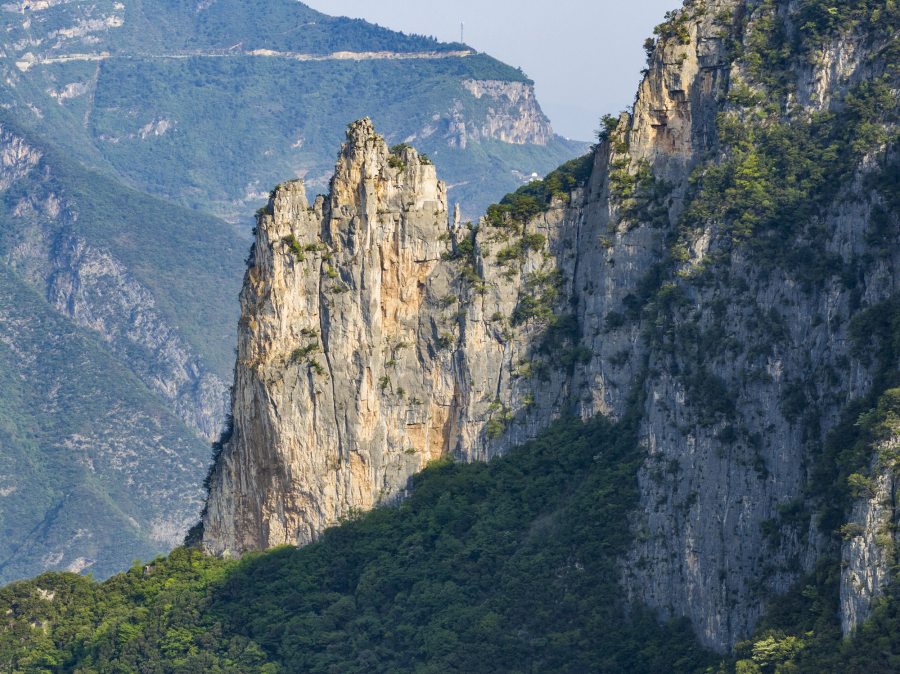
(585, 56)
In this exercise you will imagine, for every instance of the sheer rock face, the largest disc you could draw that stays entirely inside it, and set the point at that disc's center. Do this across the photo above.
(17, 158)
(341, 390)
(364, 353)
(760, 339)
(869, 551)
(483, 368)
(513, 115)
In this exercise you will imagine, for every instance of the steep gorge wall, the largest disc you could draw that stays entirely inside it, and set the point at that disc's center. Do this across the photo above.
(622, 296)
(752, 361)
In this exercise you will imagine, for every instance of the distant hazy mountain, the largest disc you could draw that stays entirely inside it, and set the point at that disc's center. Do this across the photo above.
(208, 103)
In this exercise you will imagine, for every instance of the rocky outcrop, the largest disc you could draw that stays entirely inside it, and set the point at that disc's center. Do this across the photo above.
(511, 115)
(870, 548)
(500, 110)
(614, 297)
(17, 158)
(377, 336)
(342, 387)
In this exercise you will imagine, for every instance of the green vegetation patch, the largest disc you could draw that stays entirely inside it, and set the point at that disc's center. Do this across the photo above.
(801, 634)
(779, 174)
(536, 197)
(505, 566)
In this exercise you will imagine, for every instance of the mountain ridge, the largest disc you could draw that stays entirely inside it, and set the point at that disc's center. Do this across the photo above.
(48, 69)
(670, 264)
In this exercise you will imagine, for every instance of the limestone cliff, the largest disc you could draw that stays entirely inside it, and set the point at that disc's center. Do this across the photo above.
(512, 115)
(93, 165)
(706, 271)
(342, 390)
(869, 553)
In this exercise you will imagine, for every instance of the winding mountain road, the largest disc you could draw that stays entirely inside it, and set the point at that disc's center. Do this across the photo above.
(29, 60)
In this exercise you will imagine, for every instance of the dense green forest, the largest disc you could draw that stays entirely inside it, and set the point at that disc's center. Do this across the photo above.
(506, 566)
(278, 24)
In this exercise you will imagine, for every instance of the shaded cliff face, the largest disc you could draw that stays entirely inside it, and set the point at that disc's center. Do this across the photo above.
(753, 358)
(705, 271)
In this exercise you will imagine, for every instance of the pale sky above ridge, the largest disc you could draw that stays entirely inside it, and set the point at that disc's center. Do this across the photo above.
(585, 56)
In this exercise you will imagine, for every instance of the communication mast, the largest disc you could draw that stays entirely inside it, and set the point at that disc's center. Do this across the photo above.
(462, 32)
